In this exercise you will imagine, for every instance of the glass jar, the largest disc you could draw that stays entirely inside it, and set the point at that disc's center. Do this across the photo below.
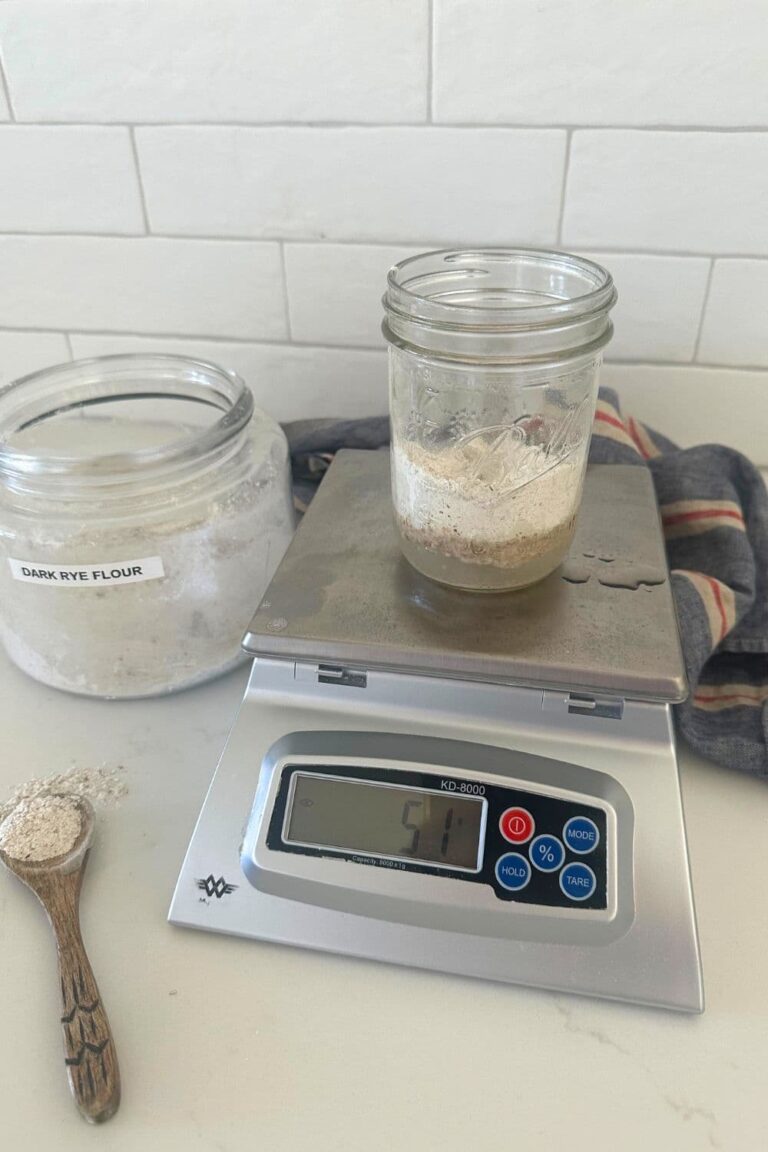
(144, 505)
(493, 369)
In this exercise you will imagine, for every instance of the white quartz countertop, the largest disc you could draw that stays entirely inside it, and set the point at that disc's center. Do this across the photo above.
(231, 1045)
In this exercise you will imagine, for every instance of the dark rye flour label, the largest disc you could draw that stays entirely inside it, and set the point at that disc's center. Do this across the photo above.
(88, 575)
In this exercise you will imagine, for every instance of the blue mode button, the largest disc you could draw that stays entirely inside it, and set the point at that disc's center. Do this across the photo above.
(581, 834)
(513, 871)
(577, 881)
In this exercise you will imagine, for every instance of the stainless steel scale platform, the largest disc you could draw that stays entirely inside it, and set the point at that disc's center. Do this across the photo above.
(479, 784)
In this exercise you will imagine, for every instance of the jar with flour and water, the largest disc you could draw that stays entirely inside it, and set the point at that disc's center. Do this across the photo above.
(144, 505)
(494, 358)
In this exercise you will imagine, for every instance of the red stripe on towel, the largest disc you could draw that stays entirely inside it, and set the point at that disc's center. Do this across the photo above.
(715, 586)
(636, 439)
(702, 514)
(614, 420)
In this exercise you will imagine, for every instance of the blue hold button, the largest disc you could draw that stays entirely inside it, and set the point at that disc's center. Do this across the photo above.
(513, 871)
(577, 881)
(581, 834)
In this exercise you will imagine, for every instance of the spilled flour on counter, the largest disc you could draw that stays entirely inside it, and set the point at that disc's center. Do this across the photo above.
(103, 785)
(41, 828)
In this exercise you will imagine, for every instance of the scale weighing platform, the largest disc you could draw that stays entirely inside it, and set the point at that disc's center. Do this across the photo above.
(482, 784)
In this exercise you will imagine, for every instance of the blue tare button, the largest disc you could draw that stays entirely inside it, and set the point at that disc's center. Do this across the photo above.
(513, 871)
(581, 834)
(577, 881)
(547, 853)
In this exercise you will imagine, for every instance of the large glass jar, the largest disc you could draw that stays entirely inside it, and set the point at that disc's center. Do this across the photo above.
(494, 359)
(144, 505)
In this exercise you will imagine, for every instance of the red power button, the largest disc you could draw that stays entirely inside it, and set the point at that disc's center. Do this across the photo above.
(517, 825)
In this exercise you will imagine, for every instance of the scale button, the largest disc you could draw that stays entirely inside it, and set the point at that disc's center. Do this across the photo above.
(581, 834)
(577, 881)
(547, 853)
(513, 871)
(517, 825)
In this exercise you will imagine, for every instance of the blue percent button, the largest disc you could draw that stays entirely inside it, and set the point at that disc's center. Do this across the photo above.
(581, 834)
(547, 853)
(577, 881)
(513, 871)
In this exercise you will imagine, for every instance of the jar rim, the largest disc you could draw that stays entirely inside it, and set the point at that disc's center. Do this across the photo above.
(504, 306)
(126, 376)
(437, 310)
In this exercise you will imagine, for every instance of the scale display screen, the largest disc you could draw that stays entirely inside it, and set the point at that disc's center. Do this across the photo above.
(386, 820)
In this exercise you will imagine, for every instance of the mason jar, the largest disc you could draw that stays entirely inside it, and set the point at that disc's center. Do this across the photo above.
(144, 505)
(493, 368)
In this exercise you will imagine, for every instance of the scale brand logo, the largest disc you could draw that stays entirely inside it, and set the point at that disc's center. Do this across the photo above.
(217, 888)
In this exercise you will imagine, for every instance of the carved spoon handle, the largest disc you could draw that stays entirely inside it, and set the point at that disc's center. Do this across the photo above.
(89, 1048)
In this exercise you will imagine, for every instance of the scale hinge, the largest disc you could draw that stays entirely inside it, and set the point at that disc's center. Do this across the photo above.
(584, 704)
(336, 674)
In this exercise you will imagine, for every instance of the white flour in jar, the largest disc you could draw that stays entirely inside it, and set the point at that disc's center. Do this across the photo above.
(503, 504)
(216, 551)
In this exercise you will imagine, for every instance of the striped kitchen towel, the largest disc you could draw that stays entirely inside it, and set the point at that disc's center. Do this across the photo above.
(714, 509)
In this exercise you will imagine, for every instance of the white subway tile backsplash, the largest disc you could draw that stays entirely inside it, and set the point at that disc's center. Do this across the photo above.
(442, 186)
(335, 291)
(735, 329)
(289, 382)
(602, 62)
(72, 179)
(245, 123)
(659, 309)
(196, 61)
(685, 191)
(696, 405)
(24, 352)
(216, 288)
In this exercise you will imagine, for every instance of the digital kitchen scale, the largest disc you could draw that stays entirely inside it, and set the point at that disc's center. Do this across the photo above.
(481, 784)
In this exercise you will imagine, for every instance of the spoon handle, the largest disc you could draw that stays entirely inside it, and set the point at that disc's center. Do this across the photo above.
(89, 1048)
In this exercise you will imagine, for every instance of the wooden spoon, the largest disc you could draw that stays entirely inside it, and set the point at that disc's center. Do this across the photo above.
(89, 1050)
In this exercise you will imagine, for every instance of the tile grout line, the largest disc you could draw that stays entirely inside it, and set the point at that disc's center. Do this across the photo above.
(5, 90)
(140, 182)
(286, 297)
(430, 60)
(244, 341)
(308, 345)
(416, 125)
(566, 170)
(704, 303)
(418, 246)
